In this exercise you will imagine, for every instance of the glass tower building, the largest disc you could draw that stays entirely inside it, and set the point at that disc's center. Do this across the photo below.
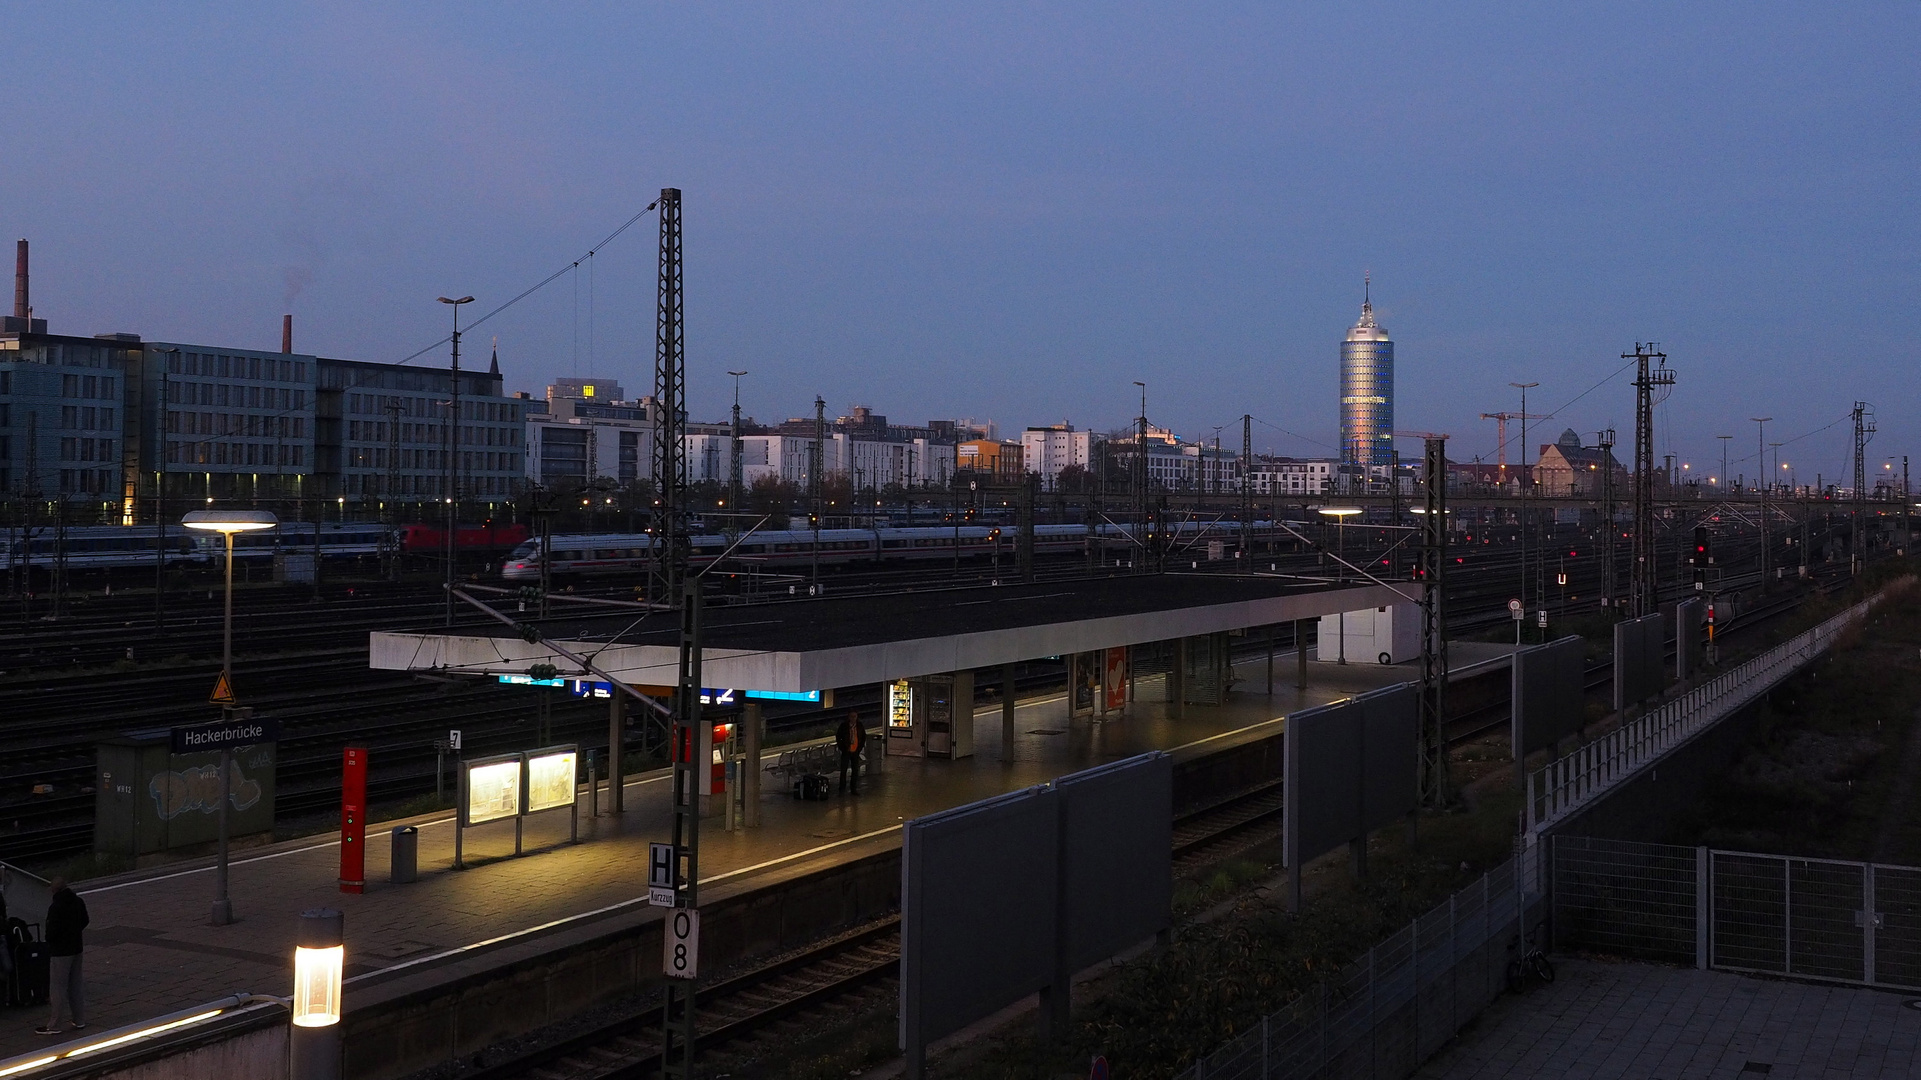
(1367, 397)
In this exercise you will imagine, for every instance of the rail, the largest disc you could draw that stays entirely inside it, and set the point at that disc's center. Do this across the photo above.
(1574, 781)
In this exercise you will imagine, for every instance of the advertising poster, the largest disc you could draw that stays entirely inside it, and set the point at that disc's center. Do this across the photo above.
(1114, 682)
(550, 780)
(493, 791)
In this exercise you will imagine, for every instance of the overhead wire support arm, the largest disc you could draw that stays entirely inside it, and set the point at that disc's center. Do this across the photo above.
(570, 656)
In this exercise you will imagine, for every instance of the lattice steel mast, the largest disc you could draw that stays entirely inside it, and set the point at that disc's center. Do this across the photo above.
(670, 397)
(1431, 572)
(1643, 588)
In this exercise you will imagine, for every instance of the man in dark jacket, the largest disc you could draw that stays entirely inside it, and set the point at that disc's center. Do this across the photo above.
(851, 738)
(66, 920)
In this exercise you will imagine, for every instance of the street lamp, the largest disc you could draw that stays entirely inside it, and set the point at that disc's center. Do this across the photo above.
(1526, 484)
(226, 523)
(1340, 514)
(319, 961)
(453, 453)
(1761, 466)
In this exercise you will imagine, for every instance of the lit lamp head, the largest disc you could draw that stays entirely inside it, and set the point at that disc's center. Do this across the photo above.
(319, 958)
(1339, 511)
(229, 521)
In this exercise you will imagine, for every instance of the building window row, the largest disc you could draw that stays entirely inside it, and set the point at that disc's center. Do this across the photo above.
(81, 418)
(89, 481)
(273, 455)
(224, 366)
(248, 424)
(88, 386)
(236, 395)
(75, 449)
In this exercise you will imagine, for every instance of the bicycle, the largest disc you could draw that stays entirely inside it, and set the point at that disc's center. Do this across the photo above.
(1532, 961)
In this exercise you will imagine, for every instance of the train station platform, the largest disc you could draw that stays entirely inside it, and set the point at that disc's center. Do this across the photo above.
(150, 950)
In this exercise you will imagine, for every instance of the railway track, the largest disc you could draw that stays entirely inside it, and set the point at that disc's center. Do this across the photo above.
(785, 990)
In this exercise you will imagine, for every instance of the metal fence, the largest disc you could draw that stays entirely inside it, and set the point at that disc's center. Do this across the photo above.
(1569, 783)
(1825, 919)
(1390, 1010)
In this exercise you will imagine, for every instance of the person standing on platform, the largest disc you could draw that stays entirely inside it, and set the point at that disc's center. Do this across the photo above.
(851, 738)
(66, 920)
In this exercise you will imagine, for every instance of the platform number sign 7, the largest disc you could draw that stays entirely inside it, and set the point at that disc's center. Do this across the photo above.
(682, 960)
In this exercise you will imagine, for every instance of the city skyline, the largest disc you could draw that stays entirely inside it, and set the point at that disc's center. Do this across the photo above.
(1187, 201)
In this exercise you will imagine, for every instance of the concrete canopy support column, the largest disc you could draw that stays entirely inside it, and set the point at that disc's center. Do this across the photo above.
(1300, 654)
(616, 751)
(1007, 712)
(750, 764)
(963, 744)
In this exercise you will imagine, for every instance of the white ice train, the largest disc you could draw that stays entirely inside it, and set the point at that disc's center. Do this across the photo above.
(588, 555)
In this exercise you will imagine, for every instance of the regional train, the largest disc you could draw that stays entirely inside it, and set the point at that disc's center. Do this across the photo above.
(591, 555)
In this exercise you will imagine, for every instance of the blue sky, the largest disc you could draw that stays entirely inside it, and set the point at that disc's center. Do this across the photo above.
(1014, 211)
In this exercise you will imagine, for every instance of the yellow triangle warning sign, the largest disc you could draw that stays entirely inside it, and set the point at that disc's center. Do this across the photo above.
(222, 691)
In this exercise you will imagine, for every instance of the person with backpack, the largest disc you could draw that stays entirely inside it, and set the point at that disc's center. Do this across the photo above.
(66, 922)
(851, 738)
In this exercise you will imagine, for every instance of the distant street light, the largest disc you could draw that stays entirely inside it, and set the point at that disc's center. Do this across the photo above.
(226, 523)
(1340, 514)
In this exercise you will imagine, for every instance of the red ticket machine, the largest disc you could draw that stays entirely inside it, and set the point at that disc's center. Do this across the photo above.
(353, 819)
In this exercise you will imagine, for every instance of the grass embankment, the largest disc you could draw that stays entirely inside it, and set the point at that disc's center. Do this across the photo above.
(1834, 768)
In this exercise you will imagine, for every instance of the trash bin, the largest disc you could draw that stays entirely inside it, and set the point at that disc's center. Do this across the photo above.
(406, 852)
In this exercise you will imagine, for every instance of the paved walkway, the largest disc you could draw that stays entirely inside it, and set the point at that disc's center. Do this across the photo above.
(150, 950)
(1605, 1020)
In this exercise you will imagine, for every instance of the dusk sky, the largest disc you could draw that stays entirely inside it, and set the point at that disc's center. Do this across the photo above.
(1015, 211)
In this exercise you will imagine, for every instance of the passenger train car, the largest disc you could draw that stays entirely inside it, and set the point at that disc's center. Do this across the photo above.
(604, 554)
(86, 547)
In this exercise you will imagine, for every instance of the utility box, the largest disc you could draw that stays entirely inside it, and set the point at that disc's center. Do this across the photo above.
(1384, 635)
(149, 800)
(293, 567)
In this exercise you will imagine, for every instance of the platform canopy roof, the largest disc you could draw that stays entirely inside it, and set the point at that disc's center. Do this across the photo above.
(857, 639)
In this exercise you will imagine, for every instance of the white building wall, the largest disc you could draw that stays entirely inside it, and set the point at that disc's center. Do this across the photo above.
(870, 463)
(1047, 451)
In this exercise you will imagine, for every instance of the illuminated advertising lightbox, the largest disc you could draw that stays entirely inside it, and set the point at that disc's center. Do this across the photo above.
(493, 790)
(550, 778)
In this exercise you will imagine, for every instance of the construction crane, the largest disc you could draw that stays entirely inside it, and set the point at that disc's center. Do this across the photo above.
(1501, 419)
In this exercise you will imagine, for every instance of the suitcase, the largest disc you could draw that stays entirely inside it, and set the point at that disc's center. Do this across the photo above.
(30, 974)
(811, 787)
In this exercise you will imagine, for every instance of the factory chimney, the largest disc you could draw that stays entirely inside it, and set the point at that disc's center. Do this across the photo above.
(20, 308)
(286, 333)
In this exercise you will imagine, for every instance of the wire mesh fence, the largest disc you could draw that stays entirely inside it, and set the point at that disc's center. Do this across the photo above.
(1384, 1014)
(1624, 898)
(1824, 919)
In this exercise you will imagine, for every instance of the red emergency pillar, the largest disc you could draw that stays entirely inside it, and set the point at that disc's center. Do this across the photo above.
(353, 819)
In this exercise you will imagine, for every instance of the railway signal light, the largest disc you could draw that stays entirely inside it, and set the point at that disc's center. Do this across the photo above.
(1701, 555)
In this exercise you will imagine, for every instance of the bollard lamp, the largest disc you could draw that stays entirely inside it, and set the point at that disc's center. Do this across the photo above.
(319, 957)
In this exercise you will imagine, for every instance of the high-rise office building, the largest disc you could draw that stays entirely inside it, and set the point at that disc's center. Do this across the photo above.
(1367, 396)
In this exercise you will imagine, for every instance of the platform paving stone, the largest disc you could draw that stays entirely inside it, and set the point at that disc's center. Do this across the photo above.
(1604, 1020)
(151, 951)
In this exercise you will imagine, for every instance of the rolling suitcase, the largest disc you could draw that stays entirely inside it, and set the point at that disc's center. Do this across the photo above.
(811, 787)
(27, 981)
